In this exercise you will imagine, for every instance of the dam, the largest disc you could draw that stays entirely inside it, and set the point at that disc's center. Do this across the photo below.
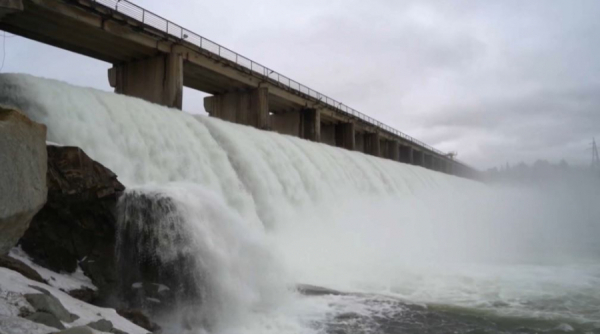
(154, 58)
(265, 211)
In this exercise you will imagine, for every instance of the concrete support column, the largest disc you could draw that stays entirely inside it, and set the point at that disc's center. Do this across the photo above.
(406, 154)
(394, 150)
(158, 79)
(311, 124)
(345, 135)
(372, 144)
(245, 107)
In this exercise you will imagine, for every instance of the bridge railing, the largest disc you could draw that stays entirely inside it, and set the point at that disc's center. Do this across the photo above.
(138, 13)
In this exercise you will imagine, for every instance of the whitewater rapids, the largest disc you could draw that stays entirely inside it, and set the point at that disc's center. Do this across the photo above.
(269, 211)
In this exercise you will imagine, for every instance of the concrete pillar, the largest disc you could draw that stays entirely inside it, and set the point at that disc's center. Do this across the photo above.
(157, 79)
(328, 134)
(244, 107)
(311, 124)
(287, 123)
(372, 144)
(434, 163)
(345, 135)
(406, 154)
(394, 150)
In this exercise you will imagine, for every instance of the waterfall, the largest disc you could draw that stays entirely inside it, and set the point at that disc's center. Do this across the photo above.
(243, 215)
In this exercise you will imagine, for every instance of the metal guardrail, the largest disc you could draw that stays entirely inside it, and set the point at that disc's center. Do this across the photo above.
(138, 13)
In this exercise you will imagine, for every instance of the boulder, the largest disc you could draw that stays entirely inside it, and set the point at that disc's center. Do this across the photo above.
(23, 163)
(102, 325)
(77, 330)
(47, 303)
(78, 223)
(20, 267)
(84, 294)
(46, 319)
(139, 318)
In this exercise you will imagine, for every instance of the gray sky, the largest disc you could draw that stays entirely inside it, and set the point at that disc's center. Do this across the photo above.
(496, 81)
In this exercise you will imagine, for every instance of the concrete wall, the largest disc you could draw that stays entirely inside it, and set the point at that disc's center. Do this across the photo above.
(428, 161)
(249, 107)
(406, 155)
(287, 123)
(393, 150)
(372, 144)
(328, 134)
(418, 158)
(345, 135)
(359, 140)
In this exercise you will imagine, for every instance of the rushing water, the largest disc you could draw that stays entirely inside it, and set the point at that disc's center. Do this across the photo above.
(411, 250)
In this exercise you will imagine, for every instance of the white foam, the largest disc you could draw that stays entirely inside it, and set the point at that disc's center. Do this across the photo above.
(329, 216)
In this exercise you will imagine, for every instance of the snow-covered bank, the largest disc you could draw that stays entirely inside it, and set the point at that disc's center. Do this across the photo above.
(14, 286)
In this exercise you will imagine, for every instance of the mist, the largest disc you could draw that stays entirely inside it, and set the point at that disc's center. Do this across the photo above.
(265, 211)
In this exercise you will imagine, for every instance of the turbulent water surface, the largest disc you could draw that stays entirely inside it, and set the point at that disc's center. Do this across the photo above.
(409, 250)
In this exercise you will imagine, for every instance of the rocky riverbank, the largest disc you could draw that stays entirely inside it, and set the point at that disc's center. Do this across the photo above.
(57, 238)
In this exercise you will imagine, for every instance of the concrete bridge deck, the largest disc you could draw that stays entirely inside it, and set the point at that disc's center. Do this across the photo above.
(154, 59)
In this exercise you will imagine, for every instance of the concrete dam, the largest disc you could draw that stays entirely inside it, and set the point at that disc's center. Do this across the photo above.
(154, 58)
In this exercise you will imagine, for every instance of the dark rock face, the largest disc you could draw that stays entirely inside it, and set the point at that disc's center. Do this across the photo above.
(151, 225)
(78, 222)
(20, 267)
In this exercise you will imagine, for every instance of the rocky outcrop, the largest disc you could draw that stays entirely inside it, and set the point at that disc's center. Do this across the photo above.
(20, 267)
(47, 303)
(77, 224)
(23, 175)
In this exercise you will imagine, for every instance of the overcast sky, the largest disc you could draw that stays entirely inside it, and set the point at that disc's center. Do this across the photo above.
(496, 81)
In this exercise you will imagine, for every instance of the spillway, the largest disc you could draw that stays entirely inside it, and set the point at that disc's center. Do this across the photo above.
(263, 212)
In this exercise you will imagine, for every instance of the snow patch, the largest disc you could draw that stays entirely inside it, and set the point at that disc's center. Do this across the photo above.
(67, 282)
